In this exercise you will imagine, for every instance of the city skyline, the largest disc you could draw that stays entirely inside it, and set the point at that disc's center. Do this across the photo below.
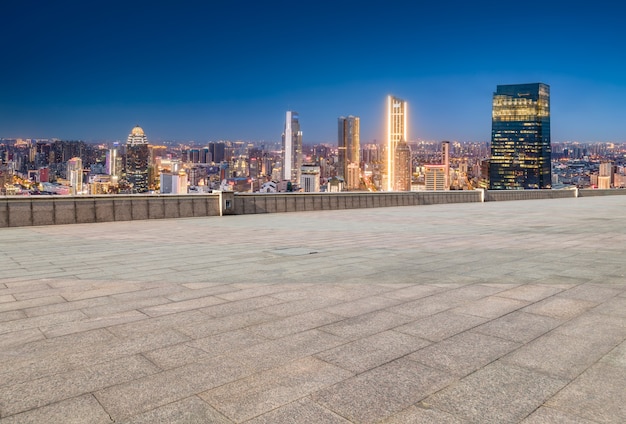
(210, 71)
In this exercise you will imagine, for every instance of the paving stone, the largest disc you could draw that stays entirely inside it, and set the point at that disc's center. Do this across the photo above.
(530, 292)
(559, 355)
(191, 410)
(616, 357)
(294, 324)
(301, 411)
(260, 393)
(7, 298)
(83, 305)
(185, 305)
(379, 393)
(361, 306)
(597, 395)
(11, 315)
(545, 415)
(496, 394)
(30, 303)
(18, 338)
(560, 307)
(79, 410)
(613, 307)
(415, 291)
(175, 356)
(591, 293)
(441, 326)
(367, 353)
(518, 326)
(421, 414)
(299, 306)
(210, 326)
(464, 353)
(425, 307)
(63, 329)
(365, 325)
(490, 307)
(239, 306)
(40, 321)
(44, 391)
(223, 343)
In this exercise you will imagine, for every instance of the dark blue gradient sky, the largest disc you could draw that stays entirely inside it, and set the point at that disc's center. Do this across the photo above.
(207, 70)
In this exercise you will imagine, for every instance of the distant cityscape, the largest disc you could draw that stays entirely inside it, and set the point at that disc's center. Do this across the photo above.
(520, 155)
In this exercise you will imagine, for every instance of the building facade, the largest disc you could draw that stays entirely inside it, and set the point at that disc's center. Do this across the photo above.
(520, 138)
(137, 156)
(402, 167)
(75, 175)
(349, 147)
(292, 148)
(396, 132)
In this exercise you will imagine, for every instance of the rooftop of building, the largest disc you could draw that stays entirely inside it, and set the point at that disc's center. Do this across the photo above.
(497, 312)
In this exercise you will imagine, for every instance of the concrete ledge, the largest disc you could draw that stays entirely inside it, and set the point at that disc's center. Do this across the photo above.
(49, 210)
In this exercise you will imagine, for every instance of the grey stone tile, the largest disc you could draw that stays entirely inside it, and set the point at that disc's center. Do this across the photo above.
(416, 291)
(518, 326)
(63, 329)
(274, 353)
(490, 307)
(79, 410)
(30, 303)
(278, 328)
(464, 353)
(560, 307)
(559, 355)
(545, 415)
(11, 315)
(300, 306)
(366, 324)
(362, 306)
(441, 326)
(4, 298)
(614, 307)
(530, 292)
(155, 325)
(486, 395)
(239, 306)
(176, 356)
(210, 326)
(40, 321)
(425, 307)
(83, 305)
(616, 357)
(260, 393)
(591, 293)
(301, 411)
(367, 353)
(597, 395)
(184, 305)
(18, 338)
(611, 329)
(44, 391)
(191, 410)
(223, 343)
(200, 292)
(421, 414)
(115, 307)
(382, 392)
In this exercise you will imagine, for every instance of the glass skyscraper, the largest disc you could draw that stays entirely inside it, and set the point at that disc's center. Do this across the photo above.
(292, 148)
(137, 160)
(520, 138)
(349, 147)
(396, 132)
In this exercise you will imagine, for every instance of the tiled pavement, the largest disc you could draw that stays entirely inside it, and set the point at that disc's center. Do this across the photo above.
(463, 313)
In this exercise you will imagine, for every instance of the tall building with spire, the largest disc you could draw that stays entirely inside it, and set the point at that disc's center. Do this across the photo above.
(520, 138)
(292, 148)
(137, 156)
(397, 131)
(349, 148)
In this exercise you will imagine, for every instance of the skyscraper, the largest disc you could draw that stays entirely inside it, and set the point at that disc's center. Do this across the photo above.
(292, 148)
(349, 147)
(402, 167)
(137, 160)
(520, 137)
(396, 132)
(75, 175)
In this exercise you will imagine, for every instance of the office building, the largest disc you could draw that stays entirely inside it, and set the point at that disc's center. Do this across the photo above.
(402, 167)
(292, 148)
(137, 156)
(349, 148)
(520, 138)
(310, 179)
(435, 177)
(396, 132)
(75, 175)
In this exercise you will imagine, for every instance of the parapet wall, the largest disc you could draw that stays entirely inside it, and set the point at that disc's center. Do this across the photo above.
(16, 211)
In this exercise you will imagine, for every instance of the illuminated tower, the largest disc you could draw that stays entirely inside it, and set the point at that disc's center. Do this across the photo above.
(292, 148)
(75, 175)
(349, 147)
(137, 160)
(396, 132)
(445, 153)
(520, 137)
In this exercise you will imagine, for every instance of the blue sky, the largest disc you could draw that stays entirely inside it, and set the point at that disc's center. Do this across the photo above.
(207, 70)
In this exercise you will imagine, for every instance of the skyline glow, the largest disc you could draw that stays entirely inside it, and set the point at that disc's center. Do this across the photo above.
(229, 71)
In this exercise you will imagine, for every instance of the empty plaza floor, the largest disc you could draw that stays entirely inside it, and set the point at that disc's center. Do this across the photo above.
(499, 312)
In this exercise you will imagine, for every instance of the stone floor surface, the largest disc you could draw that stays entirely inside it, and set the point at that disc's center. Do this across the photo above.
(501, 312)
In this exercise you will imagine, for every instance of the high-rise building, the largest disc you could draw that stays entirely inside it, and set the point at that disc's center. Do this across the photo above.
(310, 179)
(396, 132)
(75, 175)
(349, 147)
(445, 153)
(520, 137)
(435, 177)
(402, 167)
(137, 156)
(292, 148)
